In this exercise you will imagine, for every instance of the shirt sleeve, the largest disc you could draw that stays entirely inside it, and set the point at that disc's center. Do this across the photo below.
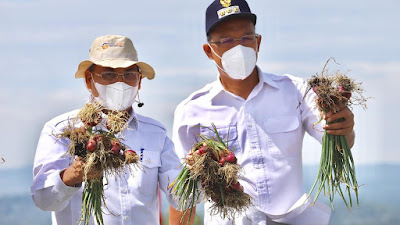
(309, 112)
(169, 170)
(184, 131)
(48, 191)
(184, 137)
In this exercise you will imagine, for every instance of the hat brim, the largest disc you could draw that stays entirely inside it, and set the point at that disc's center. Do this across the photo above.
(146, 70)
(246, 15)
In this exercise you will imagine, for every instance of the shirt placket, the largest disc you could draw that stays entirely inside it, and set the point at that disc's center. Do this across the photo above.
(257, 158)
(125, 206)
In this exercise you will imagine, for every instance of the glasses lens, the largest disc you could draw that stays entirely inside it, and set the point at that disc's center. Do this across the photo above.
(109, 76)
(131, 77)
(248, 39)
(227, 41)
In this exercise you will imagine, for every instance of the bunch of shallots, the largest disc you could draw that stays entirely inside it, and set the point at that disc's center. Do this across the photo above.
(216, 168)
(336, 169)
(102, 151)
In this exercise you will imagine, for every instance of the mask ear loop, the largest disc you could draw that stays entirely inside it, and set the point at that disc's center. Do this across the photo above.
(91, 76)
(92, 80)
(93, 98)
(218, 57)
(90, 90)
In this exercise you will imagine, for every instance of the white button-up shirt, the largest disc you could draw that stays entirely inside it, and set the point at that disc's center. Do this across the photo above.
(266, 132)
(130, 199)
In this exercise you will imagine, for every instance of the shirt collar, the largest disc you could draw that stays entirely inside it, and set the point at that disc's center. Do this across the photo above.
(264, 78)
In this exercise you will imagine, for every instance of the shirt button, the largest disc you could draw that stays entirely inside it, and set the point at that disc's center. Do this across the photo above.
(125, 218)
(124, 190)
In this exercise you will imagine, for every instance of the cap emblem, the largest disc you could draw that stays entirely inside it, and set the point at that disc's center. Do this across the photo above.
(225, 3)
(228, 11)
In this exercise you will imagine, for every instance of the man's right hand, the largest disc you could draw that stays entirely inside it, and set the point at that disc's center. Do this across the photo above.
(74, 174)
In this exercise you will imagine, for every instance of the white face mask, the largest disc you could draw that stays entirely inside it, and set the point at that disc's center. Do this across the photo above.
(116, 96)
(238, 62)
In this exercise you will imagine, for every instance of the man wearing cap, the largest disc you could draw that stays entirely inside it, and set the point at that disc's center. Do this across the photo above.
(259, 113)
(113, 77)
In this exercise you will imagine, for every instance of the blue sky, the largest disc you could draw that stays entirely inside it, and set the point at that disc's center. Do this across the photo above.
(42, 43)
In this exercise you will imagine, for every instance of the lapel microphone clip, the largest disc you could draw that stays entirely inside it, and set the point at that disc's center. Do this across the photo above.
(140, 104)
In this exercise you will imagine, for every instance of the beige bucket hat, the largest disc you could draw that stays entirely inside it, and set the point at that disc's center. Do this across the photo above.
(116, 52)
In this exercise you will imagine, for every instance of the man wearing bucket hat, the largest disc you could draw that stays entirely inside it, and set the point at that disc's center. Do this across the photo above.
(110, 56)
(113, 76)
(259, 113)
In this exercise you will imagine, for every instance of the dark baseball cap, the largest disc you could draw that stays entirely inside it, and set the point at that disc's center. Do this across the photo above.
(221, 10)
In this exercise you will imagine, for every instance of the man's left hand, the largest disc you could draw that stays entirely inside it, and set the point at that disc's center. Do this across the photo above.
(344, 127)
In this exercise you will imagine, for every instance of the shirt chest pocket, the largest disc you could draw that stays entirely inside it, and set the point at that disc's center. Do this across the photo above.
(227, 132)
(147, 175)
(284, 136)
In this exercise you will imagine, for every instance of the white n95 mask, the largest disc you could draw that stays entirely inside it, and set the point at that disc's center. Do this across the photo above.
(238, 62)
(116, 96)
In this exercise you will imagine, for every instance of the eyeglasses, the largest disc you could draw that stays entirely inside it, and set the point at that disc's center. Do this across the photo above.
(131, 77)
(229, 42)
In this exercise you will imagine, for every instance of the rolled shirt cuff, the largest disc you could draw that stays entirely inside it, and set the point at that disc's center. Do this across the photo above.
(65, 192)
